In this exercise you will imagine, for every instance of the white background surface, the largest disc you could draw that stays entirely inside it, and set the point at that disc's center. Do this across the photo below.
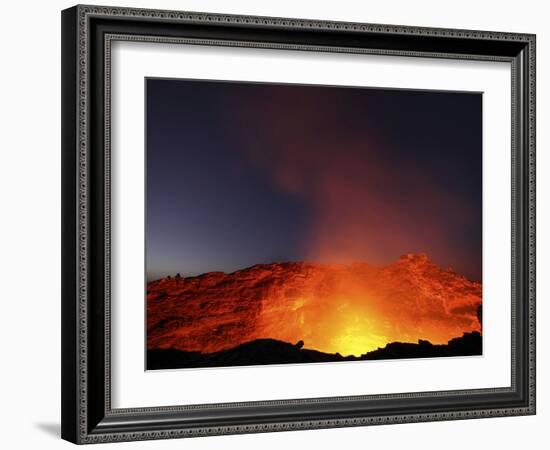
(30, 226)
(132, 387)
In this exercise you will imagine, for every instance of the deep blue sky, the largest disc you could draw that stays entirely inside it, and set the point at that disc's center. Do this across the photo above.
(240, 174)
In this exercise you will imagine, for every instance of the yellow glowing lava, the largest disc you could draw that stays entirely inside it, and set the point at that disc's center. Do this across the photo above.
(356, 332)
(355, 343)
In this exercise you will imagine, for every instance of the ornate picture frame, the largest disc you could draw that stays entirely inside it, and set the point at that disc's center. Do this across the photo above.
(88, 33)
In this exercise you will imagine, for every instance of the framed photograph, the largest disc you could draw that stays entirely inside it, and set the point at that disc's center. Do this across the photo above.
(277, 224)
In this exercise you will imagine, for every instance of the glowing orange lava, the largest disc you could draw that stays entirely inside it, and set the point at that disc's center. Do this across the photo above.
(346, 309)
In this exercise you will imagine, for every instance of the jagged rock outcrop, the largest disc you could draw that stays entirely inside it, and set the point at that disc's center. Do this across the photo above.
(270, 351)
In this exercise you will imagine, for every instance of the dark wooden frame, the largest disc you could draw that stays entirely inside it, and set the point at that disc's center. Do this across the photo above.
(87, 32)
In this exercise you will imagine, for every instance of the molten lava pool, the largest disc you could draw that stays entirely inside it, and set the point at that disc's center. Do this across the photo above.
(347, 309)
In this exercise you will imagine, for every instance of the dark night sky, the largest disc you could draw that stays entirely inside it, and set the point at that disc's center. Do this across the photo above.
(240, 174)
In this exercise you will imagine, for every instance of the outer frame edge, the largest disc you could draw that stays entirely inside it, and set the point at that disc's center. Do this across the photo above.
(69, 345)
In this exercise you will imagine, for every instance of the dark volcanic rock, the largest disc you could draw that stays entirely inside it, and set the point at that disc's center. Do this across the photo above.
(468, 345)
(270, 351)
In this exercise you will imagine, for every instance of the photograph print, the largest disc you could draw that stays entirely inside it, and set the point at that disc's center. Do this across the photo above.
(292, 223)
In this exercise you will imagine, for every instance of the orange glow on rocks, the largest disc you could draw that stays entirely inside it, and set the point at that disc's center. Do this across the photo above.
(334, 308)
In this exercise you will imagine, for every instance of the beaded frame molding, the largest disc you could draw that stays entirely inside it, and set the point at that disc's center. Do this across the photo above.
(87, 35)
